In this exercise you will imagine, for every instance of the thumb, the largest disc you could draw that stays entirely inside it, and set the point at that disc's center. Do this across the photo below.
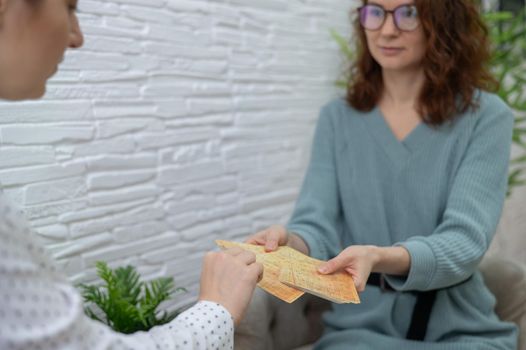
(333, 265)
(271, 245)
(272, 241)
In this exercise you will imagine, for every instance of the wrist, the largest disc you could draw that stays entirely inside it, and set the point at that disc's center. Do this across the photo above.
(391, 260)
(288, 236)
(376, 254)
(229, 311)
(296, 242)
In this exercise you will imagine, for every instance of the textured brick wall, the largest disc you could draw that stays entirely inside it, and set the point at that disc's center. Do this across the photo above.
(179, 122)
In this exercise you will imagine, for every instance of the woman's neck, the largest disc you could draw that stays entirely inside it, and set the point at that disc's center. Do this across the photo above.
(402, 88)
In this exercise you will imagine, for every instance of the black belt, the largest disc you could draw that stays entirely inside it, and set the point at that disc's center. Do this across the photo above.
(421, 313)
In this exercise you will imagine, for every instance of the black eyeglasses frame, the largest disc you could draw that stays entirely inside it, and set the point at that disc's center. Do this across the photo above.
(391, 12)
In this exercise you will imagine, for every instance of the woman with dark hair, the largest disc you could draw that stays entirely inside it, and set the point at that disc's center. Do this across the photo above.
(39, 309)
(406, 183)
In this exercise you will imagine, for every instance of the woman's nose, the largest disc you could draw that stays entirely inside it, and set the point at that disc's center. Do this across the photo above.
(389, 27)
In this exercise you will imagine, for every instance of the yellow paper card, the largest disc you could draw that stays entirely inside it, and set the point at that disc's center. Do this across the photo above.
(288, 273)
(271, 264)
(338, 287)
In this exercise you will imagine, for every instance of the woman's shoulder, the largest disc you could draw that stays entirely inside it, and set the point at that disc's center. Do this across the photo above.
(487, 99)
(490, 106)
(339, 105)
(489, 110)
(339, 111)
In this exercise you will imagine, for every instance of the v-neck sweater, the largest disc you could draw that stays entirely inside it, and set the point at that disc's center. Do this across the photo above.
(438, 192)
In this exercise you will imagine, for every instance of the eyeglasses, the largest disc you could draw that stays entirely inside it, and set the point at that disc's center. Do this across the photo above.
(372, 17)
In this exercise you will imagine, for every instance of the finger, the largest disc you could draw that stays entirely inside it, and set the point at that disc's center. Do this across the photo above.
(359, 279)
(333, 265)
(234, 251)
(246, 257)
(253, 239)
(272, 240)
(359, 284)
(258, 271)
(258, 241)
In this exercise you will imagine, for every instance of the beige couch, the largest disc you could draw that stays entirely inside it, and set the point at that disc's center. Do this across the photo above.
(271, 324)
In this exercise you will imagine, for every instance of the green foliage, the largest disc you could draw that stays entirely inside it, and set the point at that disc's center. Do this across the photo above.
(125, 303)
(348, 53)
(508, 36)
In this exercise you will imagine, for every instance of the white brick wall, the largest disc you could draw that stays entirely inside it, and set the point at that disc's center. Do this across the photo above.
(179, 122)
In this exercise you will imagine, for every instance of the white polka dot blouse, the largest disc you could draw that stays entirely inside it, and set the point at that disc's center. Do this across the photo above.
(40, 309)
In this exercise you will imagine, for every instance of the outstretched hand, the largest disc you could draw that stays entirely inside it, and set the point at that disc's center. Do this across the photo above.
(229, 278)
(356, 260)
(276, 236)
(271, 238)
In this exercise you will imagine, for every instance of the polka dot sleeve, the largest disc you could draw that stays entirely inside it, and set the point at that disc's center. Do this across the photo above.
(39, 309)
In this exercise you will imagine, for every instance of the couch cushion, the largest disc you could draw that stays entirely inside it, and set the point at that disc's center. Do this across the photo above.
(272, 324)
(507, 281)
(253, 333)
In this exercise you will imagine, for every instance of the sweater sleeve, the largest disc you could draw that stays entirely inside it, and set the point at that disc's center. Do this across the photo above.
(453, 251)
(317, 215)
(41, 310)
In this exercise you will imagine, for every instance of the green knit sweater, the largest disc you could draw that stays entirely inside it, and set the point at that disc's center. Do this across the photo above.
(439, 193)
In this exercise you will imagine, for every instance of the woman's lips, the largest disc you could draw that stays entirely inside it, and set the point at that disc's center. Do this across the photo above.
(390, 51)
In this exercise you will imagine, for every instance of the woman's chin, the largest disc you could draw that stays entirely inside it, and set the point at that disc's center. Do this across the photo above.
(29, 94)
(22, 93)
(399, 65)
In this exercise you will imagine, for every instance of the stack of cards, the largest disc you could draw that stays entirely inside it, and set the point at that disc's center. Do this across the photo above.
(289, 273)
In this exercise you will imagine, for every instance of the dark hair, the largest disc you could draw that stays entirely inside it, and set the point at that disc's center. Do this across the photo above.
(455, 64)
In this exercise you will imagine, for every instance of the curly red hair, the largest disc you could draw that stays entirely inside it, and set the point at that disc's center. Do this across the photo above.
(456, 62)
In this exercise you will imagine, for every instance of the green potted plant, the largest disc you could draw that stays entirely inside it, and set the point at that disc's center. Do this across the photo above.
(508, 35)
(125, 303)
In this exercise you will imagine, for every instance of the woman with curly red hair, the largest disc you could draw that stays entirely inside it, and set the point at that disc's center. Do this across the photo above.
(406, 183)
